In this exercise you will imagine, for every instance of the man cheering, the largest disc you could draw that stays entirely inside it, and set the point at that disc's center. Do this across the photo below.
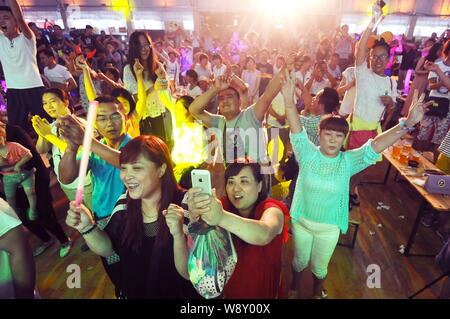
(18, 58)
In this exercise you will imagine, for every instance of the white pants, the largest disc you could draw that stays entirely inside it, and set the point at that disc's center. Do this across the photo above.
(314, 243)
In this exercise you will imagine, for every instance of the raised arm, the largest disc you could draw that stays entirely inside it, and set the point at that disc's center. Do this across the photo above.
(142, 93)
(18, 15)
(288, 91)
(361, 49)
(198, 106)
(263, 103)
(415, 115)
(88, 83)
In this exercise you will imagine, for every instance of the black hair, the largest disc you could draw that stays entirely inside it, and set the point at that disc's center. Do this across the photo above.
(115, 73)
(249, 57)
(217, 56)
(5, 8)
(121, 92)
(336, 123)
(134, 52)
(433, 52)
(60, 94)
(109, 99)
(202, 56)
(446, 50)
(186, 100)
(330, 100)
(382, 43)
(193, 75)
(234, 90)
(236, 167)
(89, 27)
(48, 52)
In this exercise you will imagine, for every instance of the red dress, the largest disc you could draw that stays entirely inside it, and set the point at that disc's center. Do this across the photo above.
(258, 269)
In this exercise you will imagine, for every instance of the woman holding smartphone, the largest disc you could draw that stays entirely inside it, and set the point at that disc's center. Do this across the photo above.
(145, 227)
(258, 226)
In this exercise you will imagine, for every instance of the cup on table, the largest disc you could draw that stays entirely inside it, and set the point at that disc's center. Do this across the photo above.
(407, 146)
(396, 149)
(415, 156)
(404, 156)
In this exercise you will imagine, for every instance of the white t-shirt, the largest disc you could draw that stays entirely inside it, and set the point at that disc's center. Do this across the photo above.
(303, 78)
(196, 91)
(8, 221)
(442, 91)
(57, 154)
(369, 87)
(173, 70)
(58, 74)
(349, 97)
(219, 71)
(19, 62)
(317, 86)
(279, 108)
(251, 78)
(336, 73)
(203, 72)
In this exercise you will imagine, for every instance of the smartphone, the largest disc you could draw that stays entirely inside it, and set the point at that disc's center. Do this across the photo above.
(201, 178)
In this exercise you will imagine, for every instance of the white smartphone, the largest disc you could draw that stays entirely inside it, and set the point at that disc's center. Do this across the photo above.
(201, 178)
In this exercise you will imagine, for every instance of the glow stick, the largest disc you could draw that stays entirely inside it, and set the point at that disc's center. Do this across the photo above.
(86, 150)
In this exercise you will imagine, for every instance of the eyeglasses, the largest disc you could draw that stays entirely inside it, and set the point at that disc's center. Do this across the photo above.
(103, 120)
(379, 57)
(145, 46)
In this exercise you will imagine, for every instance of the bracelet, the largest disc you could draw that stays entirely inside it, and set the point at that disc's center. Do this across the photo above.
(89, 230)
(402, 122)
(162, 81)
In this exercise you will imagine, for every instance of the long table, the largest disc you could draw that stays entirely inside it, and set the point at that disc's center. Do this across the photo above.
(440, 203)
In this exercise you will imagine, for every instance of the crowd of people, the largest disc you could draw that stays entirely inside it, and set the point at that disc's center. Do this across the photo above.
(169, 105)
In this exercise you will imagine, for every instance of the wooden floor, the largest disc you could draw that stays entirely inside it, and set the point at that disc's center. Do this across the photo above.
(400, 276)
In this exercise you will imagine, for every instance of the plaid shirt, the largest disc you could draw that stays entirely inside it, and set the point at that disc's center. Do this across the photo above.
(311, 125)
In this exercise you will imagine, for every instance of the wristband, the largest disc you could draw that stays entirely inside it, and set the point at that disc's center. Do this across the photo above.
(402, 122)
(89, 230)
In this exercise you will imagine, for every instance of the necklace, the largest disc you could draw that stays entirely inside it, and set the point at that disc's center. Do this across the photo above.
(11, 43)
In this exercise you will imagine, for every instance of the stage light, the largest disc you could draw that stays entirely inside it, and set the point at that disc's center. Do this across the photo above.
(123, 6)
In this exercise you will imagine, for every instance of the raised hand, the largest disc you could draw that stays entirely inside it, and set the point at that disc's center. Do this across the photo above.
(138, 68)
(417, 110)
(214, 214)
(174, 215)
(161, 71)
(288, 86)
(41, 126)
(222, 83)
(430, 66)
(80, 218)
(72, 130)
(80, 62)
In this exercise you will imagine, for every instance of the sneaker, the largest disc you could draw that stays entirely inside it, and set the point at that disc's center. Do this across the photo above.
(65, 249)
(323, 295)
(32, 214)
(38, 251)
